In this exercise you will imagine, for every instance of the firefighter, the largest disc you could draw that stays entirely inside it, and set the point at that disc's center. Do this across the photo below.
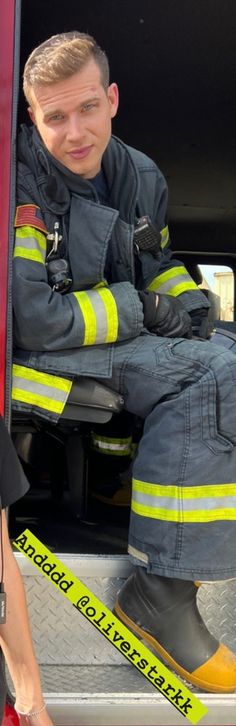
(97, 293)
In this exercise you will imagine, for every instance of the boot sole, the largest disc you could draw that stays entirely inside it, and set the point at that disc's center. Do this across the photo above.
(110, 501)
(194, 680)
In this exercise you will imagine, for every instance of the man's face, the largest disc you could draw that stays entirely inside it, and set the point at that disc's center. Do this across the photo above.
(73, 118)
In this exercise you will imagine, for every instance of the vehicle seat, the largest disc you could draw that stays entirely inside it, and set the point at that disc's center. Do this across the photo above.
(89, 402)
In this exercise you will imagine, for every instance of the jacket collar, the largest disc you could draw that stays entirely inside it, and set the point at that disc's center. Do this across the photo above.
(56, 183)
(122, 178)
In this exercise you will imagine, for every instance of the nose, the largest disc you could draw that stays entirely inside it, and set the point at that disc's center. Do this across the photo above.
(75, 128)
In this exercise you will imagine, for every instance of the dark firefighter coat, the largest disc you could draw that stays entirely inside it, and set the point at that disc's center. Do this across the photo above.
(59, 337)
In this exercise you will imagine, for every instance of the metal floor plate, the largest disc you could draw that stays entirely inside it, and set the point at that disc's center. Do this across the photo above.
(115, 695)
(139, 707)
(87, 680)
(133, 710)
(63, 636)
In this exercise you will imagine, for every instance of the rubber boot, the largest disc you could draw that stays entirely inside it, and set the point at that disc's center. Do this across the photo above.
(116, 492)
(164, 613)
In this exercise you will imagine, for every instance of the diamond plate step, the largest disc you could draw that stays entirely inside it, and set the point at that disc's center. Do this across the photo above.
(87, 681)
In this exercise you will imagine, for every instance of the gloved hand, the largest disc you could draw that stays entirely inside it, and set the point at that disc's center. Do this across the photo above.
(201, 326)
(167, 318)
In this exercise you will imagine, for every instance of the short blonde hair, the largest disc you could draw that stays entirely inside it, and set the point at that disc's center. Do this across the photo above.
(60, 57)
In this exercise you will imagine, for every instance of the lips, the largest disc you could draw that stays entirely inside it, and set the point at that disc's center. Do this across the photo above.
(80, 153)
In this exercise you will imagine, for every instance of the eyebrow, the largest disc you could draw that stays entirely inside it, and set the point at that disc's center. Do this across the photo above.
(53, 112)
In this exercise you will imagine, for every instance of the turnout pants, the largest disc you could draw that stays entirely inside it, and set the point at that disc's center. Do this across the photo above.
(183, 513)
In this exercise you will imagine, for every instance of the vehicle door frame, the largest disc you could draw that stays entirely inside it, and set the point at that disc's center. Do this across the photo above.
(10, 14)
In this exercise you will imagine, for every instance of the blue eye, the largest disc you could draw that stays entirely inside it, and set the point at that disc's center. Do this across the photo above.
(56, 117)
(89, 106)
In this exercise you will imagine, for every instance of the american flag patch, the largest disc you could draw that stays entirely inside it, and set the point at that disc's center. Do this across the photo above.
(29, 214)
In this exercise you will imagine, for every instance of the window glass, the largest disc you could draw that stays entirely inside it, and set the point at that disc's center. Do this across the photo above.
(220, 280)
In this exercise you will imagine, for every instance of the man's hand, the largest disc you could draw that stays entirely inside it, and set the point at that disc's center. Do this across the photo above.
(165, 315)
(201, 326)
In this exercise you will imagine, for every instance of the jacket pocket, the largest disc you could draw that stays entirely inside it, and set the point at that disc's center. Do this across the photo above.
(211, 435)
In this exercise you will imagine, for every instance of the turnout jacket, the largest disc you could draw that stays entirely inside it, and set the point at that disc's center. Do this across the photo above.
(73, 334)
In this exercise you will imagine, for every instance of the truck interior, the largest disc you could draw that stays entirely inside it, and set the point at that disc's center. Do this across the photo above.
(177, 104)
(174, 63)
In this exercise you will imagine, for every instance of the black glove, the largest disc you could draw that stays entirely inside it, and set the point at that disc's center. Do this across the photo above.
(168, 318)
(201, 326)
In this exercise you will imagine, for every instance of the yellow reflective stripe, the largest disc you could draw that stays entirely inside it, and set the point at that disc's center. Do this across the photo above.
(110, 440)
(179, 504)
(35, 399)
(182, 287)
(168, 276)
(171, 273)
(30, 244)
(153, 285)
(27, 384)
(112, 446)
(34, 255)
(164, 237)
(45, 378)
(103, 283)
(25, 232)
(111, 313)
(185, 492)
(182, 516)
(99, 311)
(111, 451)
(90, 323)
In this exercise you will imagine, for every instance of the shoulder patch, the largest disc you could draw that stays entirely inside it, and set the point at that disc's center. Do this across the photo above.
(29, 214)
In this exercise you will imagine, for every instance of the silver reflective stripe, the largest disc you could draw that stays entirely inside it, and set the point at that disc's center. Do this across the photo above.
(34, 389)
(40, 389)
(138, 554)
(31, 242)
(164, 237)
(101, 318)
(173, 281)
(110, 447)
(99, 311)
(188, 504)
(114, 446)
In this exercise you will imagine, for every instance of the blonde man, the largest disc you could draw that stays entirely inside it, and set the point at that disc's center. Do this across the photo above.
(97, 293)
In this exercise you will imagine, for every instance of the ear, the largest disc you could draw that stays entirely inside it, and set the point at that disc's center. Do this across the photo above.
(31, 114)
(113, 98)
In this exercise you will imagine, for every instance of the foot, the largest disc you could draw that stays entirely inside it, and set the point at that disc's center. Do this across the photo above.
(115, 493)
(164, 613)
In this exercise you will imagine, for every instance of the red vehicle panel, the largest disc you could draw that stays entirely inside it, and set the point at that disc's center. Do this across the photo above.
(7, 20)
